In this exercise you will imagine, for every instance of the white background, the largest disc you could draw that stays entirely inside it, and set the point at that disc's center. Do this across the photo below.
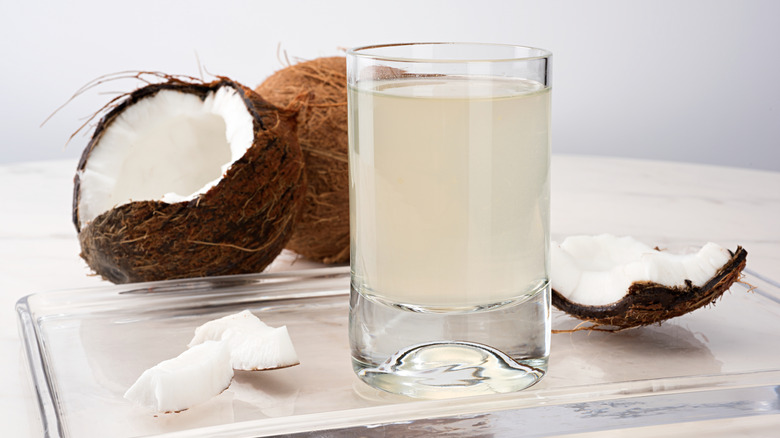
(695, 81)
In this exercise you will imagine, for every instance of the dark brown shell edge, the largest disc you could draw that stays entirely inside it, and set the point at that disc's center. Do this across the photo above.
(649, 303)
(238, 226)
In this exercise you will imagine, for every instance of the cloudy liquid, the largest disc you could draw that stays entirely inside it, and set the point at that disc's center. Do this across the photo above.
(449, 191)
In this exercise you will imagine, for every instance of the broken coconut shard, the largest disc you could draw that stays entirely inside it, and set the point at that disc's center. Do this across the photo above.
(177, 384)
(186, 179)
(253, 345)
(621, 282)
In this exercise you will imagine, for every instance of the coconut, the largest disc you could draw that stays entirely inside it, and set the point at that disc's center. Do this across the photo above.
(318, 90)
(623, 283)
(177, 384)
(253, 345)
(187, 179)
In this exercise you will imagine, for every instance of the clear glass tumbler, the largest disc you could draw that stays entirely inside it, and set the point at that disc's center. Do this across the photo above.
(449, 162)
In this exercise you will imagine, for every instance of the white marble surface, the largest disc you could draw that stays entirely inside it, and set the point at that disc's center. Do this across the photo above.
(661, 203)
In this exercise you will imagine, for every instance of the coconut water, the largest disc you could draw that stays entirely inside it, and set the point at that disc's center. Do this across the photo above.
(449, 205)
(450, 190)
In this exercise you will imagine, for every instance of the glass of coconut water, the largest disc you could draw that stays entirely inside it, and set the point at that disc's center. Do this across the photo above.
(449, 163)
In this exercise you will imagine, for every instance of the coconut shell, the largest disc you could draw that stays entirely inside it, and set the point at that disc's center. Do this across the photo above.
(238, 226)
(318, 90)
(647, 303)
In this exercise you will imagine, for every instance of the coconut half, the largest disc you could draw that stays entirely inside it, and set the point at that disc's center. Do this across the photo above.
(177, 384)
(253, 345)
(187, 180)
(621, 282)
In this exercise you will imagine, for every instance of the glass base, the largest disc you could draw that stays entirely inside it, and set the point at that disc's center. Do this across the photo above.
(441, 355)
(451, 369)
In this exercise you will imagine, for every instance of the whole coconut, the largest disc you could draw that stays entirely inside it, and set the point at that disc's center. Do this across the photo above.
(186, 179)
(318, 90)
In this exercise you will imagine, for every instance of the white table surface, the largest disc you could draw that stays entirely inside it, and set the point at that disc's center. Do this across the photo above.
(657, 202)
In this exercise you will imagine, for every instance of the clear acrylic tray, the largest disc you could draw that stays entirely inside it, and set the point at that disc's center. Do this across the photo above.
(86, 347)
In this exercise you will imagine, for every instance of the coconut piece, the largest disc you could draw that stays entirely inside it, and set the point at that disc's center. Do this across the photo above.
(318, 90)
(188, 179)
(267, 351)
(244, 322)
(195, 376)
(252, 344)
(622, 282)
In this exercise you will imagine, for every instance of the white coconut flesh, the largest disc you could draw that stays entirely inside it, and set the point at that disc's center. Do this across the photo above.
(195, 376)
(598, 270)
(252, 344)
(169, 147)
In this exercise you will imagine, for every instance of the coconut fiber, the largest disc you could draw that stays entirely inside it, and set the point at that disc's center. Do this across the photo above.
(317, 90)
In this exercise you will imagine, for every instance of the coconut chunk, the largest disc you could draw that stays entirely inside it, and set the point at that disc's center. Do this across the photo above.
(263, 352)
(598, 270)
(243, 322)
(252, 344)
(195, 376)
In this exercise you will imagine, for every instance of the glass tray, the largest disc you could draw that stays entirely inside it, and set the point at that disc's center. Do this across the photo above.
(86, 347)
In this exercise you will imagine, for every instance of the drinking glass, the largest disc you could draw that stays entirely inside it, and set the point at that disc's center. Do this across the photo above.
(449, 166)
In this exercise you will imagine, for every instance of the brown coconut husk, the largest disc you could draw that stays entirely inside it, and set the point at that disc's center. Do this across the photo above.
(648, 303)
(238, 226)
(317, 89)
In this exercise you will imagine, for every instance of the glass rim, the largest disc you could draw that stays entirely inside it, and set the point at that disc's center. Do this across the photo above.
(361, 52)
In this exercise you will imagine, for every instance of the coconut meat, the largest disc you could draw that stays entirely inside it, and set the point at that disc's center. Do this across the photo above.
(598, 270)
(241, 322)
(195, 376)
(252, 344)
(171, 147)
(263, 352)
